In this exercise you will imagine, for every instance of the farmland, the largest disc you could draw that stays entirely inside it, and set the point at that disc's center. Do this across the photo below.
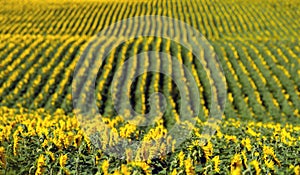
(42, 49)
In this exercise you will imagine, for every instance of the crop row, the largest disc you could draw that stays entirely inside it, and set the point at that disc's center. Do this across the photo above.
(214, 19)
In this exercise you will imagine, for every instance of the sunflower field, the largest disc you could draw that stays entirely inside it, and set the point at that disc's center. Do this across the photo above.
(258, 49)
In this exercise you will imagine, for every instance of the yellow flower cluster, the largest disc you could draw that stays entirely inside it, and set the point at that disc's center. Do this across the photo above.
(2, 157)
(40, 164)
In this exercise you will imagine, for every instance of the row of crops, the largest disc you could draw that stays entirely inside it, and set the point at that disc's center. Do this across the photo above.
(262, 79)
(215, 19)
(256, 82)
